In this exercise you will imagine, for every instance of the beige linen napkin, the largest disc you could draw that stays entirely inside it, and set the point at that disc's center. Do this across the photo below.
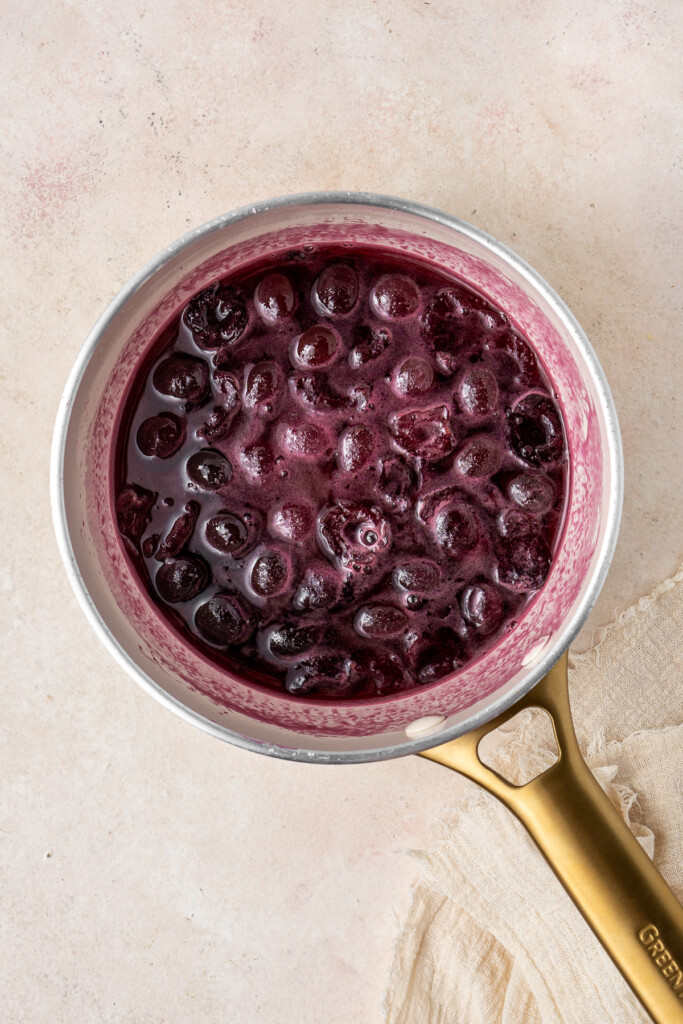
(491, 936)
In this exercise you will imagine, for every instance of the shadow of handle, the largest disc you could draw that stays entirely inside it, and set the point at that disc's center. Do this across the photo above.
(591, 850)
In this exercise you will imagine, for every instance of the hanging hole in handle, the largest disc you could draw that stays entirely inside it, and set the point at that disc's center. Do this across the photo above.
(522, 748)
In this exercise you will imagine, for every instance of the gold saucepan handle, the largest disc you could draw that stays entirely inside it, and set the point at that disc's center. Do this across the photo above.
(591, 850)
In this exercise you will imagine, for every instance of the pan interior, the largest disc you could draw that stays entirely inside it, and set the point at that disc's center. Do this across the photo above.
(180, 676)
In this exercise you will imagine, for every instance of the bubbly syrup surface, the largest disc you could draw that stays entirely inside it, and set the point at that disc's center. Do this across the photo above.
(342, 475)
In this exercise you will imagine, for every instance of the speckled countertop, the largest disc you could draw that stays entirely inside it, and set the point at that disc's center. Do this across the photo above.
(150, 873)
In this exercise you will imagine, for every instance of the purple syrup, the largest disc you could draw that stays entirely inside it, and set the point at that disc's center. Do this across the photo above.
(342, 475)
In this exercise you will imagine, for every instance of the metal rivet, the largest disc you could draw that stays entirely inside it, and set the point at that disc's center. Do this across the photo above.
(422, 726)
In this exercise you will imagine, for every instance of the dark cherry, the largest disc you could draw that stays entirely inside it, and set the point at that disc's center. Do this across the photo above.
(270, 574)
(352, 534)
(424, 433)
(534, 430)
(161, 435)
(320, 588)
(534, 493)
(370, 343)
(379, 621)
(274, 298)
(180, 533)
(257, 461)
(398, 484)
(379, 671)
(482, 606)
(435, 654)
(414, 376)
(228, 533)
(524, 565)
(478, 392)
(291, 521)
(356, 447)
(326, 674)
(225, 620)
(209, 469)
(217, 318)
(317, 347)
(443, 316)
(395, 297)
(217, 426)
(184, 377)
(181, 579)
(335, 293)
(288, 642)
(479, 457)
(263, 384)
(416, 575)
(457, 530)
(133, 511)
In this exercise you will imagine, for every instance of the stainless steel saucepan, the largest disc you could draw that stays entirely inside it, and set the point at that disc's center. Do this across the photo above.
(593, 853)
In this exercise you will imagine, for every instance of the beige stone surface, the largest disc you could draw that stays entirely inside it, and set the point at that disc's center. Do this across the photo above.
(150, 873)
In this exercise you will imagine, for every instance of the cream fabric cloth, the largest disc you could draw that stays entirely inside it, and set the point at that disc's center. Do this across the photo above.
(491, 936)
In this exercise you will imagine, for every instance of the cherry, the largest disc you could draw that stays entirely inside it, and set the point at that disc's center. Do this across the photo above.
(434, 654)
(456, 530)
(264, 383)
(381, 671)
(217, 317)
(532, 493)
(482, 607)
(479, 457)
(327, 674)
(181, 579)
(534, 430)
(225, 620)
(395, 297)
(414, 376)
(356, 447)
(319, 588)
(397, 485)
(286, 642)
(371, 342)
(430, 503)
(336, 291)
(229, 534)
(291, 521)
(257, 460)
(274, 298)
(523, 362)
(184, 377)
(161, 435)
(478, 392)
(180, 533)
(270, 574)
(523, 565)
(416, 575)
(424, 433)
(217, 426)
(380, 621)
(134, 511)
(513, 523)
(317, 396)
(352, 534)
(209, 469)
(317, 347)
(443, 316)
(228, 385)
(305, 440)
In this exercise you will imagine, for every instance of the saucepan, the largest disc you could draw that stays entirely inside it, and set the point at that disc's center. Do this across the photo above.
(593, 853)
